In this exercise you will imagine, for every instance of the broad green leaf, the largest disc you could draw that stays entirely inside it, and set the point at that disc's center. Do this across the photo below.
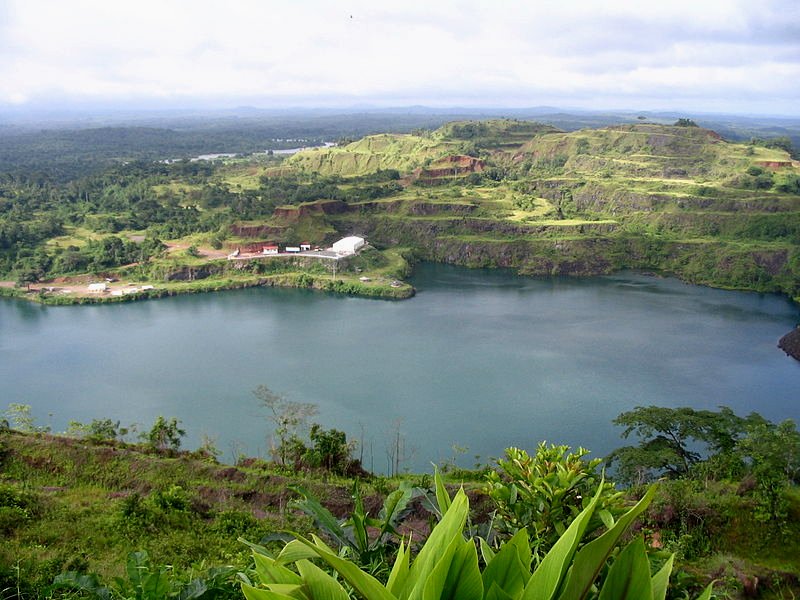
(358, 521)
(660, 580)
(193, 590)
(706, 595)
(486, 551)
(448, 529)
(255, 547)
(591, 558)
(629, 576)
(289, 589)
(366, 585)
(136, 566)
(464, 575)
(323, 518)
(269, 571)
(321, 544)
(155, 585)
(442, 497)
(399, 574)
(545, 581)
(606, 517)
(253, 593)
(393, 506)
(294, 551)
(507, 569)
(319, 584)
(495, 593)
(512, 498)
(432, 586)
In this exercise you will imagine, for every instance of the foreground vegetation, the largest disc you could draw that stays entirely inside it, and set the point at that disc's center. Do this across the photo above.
(72, 508)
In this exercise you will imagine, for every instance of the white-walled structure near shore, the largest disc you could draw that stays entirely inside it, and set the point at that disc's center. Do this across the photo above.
(348, 245)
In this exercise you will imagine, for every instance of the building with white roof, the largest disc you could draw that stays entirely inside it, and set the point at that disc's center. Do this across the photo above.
(348, 245)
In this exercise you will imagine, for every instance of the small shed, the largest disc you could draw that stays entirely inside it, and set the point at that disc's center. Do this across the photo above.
(269, 250)
(98, 287)
(348, 245)
(305, 247)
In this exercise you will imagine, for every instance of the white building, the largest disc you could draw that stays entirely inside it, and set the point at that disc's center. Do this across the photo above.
(98, 287)
(348, 245)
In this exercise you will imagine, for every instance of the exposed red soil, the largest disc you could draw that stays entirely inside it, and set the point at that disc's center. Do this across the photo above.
(774, 164)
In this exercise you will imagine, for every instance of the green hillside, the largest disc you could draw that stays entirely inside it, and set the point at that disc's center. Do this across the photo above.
(675, 199)
(672, 199)
(371, 154)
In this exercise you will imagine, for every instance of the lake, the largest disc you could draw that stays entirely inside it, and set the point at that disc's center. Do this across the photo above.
(478, 359)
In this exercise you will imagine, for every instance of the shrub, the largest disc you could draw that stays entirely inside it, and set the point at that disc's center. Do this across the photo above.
(16, 507)
(543, 493)
(329, 450)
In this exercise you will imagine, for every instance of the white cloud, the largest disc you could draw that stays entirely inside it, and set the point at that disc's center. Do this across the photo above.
(715, 52)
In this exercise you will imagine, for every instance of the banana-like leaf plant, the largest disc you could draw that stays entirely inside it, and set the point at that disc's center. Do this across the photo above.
(447, 567)
(371, 541)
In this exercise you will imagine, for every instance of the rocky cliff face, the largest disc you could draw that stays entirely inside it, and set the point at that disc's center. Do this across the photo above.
(790, 343)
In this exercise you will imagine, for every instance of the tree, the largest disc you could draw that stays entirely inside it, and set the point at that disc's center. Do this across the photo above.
(29, 273)
(772, 452)
(97, 430)
(674, 440)
(774, 448)
(287, 417)
(668, 439)
(19, 417)
(684, 122)
(165, 434)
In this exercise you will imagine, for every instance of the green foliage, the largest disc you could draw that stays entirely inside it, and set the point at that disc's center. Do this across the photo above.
(19, 417)
(755, 178)
(752, 448)
(97, 430)
(788, 184)
(138, 516)
(684, 122)
(448, 566)
(782, 142)
(669, 437)
(543, 493)
(371, 541)
(147, 581)
(165, 434)
(329, 450)
(16, 508)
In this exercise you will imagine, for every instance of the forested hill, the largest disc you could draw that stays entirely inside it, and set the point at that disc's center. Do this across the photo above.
(675, 198)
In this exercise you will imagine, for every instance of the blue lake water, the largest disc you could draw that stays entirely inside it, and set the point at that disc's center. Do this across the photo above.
(478, 359)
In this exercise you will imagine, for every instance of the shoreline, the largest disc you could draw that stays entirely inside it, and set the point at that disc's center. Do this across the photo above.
(284, 280)
(789, 343)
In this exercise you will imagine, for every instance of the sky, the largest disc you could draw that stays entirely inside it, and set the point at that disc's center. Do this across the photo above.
(699, 55)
